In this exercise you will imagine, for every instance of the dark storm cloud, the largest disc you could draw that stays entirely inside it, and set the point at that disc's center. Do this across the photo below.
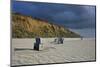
(71, 16)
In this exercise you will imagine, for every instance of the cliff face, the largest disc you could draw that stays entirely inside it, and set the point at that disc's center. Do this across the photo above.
(28, 27)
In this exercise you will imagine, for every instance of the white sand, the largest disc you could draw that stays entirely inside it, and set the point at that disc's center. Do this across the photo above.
(73, 50)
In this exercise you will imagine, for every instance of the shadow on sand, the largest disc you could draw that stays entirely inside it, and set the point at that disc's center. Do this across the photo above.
(19, 49)
(22, 49)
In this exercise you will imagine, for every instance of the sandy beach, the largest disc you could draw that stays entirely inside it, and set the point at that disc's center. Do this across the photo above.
(72, 50)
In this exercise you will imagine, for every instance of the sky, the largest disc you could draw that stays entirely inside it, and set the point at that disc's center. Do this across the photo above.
(78, 18)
